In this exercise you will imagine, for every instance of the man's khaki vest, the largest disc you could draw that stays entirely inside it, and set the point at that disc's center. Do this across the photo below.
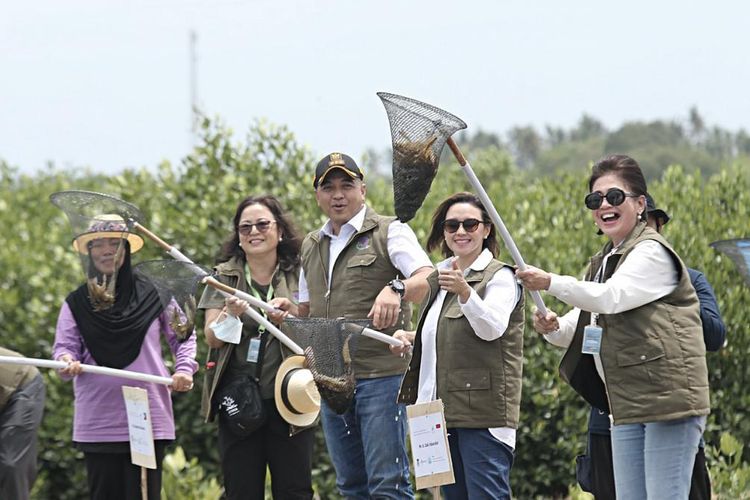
(654, 357)
(361, 271)
(478, 381)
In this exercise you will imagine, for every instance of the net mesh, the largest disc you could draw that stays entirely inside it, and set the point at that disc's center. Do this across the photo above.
(739, 251)
(418, 133)
(329, 350)
(92, 217)
(177, 284)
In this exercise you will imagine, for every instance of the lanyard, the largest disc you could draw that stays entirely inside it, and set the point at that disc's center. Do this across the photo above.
(598, 279)
(256, 294)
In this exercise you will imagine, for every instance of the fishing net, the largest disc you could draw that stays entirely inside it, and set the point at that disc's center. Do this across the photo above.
(100, 229)
(329, 350)
(177, 284)
(418, 132)
(739, 251)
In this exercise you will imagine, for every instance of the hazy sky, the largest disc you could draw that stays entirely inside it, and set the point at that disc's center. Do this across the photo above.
(106, 84)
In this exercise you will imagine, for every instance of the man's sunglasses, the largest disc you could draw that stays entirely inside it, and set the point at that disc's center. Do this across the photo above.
(452, 225)
(262, 225)
(614, 196)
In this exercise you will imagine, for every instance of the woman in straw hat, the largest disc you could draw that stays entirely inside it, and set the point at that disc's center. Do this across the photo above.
(260, 257)
(468, 349)
(117, 320)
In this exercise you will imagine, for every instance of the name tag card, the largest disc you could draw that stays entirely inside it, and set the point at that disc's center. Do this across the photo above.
(429, 445)
(592, 340)
(139, 427)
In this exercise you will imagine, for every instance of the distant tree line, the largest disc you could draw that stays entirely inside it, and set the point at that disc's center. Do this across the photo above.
(656, 144)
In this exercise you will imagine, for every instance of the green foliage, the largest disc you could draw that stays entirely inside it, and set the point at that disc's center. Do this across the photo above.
(183, 480)
(191, 205)
(730, 476)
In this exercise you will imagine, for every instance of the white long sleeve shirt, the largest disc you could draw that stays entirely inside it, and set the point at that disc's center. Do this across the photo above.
(488, 317)
(648, 274)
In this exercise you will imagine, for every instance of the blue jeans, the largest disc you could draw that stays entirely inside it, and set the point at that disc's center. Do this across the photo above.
(481, 465)
(655, 460)
(367, 444)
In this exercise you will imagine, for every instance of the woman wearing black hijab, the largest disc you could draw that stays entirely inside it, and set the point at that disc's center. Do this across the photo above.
(117, 320)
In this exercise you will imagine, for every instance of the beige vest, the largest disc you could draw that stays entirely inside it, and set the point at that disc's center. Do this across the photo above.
(478, 381)
(654, 357)
(361, 271)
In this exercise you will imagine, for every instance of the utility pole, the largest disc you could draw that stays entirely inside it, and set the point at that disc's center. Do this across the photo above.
(194, 108)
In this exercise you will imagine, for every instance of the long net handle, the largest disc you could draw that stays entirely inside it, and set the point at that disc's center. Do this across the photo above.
(171, 250)
(496, 219)
(255, 301)
(228, 291)
(382, 337)
(100, 370)
(177, 255)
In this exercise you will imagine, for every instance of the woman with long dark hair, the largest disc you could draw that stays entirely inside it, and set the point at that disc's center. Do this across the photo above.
(260, 257)
(468, 349)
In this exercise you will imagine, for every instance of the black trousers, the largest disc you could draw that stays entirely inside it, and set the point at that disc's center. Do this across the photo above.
(289, 459)
(111, 476)
(603, 475)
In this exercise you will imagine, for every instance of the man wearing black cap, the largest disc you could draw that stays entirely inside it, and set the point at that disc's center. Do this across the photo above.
(599, 479)
(362, 264)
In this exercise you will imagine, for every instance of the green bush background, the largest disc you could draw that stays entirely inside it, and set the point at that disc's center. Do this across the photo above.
(191, 205)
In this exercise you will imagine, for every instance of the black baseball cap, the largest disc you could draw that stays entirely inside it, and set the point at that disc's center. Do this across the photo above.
(336, 161)
(651, 209)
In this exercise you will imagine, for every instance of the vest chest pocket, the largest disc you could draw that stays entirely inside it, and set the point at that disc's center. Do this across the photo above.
(469, 392)
(469, 380)
(360, 265)
(360, 260)
(360, 271)
(453, 311)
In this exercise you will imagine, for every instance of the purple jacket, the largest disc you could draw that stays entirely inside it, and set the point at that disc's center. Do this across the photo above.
(99, 404)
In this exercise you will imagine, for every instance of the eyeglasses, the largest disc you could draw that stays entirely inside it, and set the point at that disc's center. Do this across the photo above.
(452, 225)
(614, 196)
(262, 225)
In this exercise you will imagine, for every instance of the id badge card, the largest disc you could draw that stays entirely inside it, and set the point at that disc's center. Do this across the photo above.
(253, 351)
(592, 339)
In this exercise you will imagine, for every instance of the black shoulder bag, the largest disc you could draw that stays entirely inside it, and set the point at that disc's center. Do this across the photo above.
(240, 404)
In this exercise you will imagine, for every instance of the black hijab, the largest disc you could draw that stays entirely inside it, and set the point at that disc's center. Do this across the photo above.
(114, 336)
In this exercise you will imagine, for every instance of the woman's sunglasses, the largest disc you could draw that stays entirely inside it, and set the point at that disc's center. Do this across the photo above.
(262, 225)
(614, 196)
(452, 225)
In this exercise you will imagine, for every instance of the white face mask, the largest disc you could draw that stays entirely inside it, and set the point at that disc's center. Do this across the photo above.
(228, 330)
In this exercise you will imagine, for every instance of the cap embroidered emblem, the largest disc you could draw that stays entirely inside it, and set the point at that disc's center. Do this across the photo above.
(335, 159)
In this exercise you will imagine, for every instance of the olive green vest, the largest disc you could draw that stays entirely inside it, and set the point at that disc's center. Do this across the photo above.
(654, 357)
(361, 271)
(13, 377)
(285, 284)
(478, 381)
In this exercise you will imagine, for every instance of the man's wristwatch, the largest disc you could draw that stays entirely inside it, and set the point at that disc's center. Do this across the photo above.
(398, 286)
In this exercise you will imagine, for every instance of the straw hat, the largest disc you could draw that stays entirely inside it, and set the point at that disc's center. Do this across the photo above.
(107, 226)
(297, 397)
